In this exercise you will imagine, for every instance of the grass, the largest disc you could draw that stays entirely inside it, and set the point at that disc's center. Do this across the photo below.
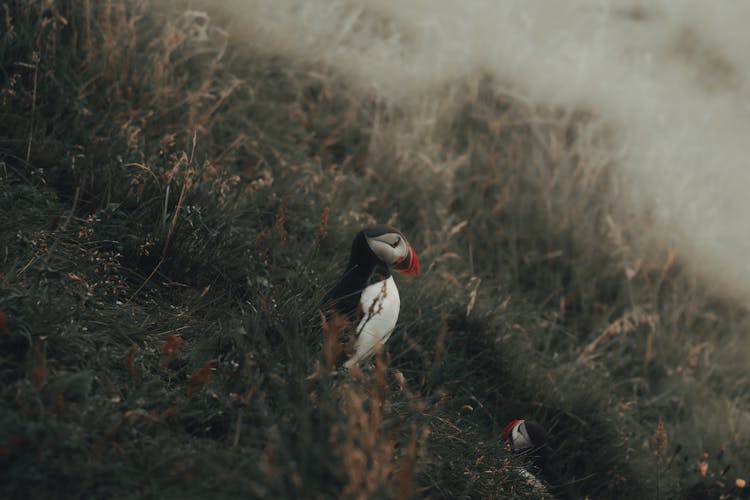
(175, 207)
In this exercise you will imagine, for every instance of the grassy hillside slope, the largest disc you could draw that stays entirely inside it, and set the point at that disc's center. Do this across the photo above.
(173, 208)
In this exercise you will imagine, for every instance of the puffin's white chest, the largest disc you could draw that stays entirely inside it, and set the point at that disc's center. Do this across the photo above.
(380, 306)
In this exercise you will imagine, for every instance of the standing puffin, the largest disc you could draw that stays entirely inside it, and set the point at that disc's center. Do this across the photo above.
(366, 294)
(529, 439)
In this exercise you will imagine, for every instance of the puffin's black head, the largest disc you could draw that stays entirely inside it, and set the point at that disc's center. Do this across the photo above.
(389, 246)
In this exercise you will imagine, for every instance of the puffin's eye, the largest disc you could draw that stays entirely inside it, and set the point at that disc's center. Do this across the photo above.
(396, 243)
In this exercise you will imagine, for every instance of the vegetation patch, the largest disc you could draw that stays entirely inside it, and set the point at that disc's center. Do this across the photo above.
(175, 206)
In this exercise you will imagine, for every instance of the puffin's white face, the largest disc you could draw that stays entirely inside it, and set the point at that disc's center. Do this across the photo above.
(520, 438)
(391, 247)
(517, 435)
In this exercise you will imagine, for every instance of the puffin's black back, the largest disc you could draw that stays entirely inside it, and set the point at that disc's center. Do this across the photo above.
(539, 438)
(364, 268)
(541, 456)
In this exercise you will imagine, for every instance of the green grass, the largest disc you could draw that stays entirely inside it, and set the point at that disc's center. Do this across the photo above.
(158, 192)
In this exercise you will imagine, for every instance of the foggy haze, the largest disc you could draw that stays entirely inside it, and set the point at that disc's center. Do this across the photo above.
(672, 77)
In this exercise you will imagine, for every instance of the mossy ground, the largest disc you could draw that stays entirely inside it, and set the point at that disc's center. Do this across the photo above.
(173, 209)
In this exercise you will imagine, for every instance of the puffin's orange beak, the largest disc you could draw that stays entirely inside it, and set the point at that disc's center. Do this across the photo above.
(408, 265)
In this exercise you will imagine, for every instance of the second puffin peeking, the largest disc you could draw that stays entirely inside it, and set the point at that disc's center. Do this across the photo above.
(366, 294)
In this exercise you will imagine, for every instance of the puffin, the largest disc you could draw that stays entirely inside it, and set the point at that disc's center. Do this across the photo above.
(366, 295)
(529, 439)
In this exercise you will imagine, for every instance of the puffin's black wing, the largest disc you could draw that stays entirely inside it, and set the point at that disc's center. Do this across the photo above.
(342, 299)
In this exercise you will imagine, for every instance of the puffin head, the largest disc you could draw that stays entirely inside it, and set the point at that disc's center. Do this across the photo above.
(392, 248)
(515, 434)
(525, 435)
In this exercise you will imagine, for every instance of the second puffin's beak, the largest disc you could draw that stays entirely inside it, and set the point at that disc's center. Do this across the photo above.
(409, 264)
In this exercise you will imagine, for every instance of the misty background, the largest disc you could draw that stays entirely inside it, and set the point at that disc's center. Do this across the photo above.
(669, 80)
